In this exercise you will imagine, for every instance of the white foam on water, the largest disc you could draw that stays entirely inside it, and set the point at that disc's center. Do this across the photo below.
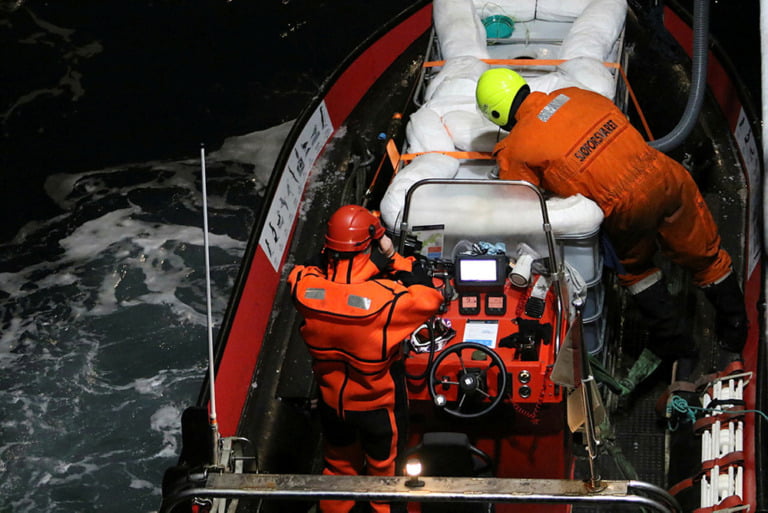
(260, 148)
(102, 328)
(141, 484)
(166, 422)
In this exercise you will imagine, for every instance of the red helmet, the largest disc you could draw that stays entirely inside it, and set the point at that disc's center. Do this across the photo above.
(352, 228)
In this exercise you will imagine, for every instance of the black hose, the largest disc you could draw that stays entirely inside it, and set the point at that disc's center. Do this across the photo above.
(698, 80)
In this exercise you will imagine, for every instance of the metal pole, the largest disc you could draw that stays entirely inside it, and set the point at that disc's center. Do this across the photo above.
(211, 371)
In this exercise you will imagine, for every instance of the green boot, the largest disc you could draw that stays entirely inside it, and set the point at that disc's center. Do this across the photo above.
(646, 363)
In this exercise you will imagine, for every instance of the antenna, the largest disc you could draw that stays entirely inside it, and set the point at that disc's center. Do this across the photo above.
(213, 421)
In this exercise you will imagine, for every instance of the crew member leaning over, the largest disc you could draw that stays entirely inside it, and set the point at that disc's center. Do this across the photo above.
(575, 141)
(358, 308)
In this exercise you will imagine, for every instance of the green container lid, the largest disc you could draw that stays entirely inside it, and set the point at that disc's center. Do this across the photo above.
(498, 26)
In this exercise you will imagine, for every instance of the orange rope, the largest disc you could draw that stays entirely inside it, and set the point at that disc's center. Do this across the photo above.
(557, 62)
(508, 62)
(396, 158)
(636, 104)
(468, 155)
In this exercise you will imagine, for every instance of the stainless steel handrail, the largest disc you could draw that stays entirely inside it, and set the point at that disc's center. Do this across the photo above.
(556, 266)
(430, 489)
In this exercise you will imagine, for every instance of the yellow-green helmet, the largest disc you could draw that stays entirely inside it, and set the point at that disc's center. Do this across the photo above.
(499, 93)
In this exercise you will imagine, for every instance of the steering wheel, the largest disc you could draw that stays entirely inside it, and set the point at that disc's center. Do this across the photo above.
(473, 395)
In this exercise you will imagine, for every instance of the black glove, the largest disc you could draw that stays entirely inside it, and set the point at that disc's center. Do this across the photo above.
(417, 276)
(317, 260)
(384, 263)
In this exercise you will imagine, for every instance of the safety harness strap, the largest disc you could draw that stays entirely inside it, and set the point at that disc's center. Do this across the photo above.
(396, 158)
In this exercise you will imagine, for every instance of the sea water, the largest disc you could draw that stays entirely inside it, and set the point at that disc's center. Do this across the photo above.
(103, 106)
(104, 333)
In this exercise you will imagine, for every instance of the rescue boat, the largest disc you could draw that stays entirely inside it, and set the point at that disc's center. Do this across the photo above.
(515, 402)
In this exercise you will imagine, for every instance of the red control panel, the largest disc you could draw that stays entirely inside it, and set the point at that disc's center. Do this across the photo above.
(514, 324)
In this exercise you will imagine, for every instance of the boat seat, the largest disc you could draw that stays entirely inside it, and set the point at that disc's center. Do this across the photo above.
(450, 454)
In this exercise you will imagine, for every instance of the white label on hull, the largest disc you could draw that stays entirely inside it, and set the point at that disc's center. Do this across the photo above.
(746, 141)
(285, 204)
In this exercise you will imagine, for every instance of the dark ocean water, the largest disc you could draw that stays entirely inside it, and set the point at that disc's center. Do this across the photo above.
(103, 108)
(86, 84)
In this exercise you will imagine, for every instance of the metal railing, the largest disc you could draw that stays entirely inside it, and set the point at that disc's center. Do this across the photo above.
(428, 489)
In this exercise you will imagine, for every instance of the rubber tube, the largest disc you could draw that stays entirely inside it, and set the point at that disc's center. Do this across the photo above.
(698, 80)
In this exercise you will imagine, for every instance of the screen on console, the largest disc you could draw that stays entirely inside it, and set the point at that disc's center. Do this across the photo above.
(478, 270)
(481, 271)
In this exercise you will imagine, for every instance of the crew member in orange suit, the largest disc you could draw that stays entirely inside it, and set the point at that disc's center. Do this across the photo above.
(575, 141)
(358, 308)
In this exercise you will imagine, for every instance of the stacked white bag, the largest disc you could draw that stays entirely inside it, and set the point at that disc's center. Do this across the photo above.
(449, 119)
(429, 165)
(459, 29)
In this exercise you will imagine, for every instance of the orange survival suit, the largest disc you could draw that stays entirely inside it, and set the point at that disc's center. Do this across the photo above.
(575, 141)
(354, 325)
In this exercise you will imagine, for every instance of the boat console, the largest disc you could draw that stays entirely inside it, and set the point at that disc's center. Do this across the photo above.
(493, 343)
(509, 293)
(487, 358)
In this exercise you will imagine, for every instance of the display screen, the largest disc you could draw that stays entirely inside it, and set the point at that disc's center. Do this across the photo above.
(481, 271)
(478, 270)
